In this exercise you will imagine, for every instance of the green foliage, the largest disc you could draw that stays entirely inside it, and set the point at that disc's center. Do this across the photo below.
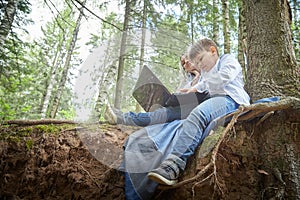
(27, 68)
(295, 28)
(67, 114)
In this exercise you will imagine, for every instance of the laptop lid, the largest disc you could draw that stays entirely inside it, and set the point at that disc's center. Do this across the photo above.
(149, 90)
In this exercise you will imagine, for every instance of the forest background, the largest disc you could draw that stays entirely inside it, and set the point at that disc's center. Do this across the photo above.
(38, 74)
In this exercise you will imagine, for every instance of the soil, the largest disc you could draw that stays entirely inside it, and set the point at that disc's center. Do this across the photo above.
(38, 164)
(69, 162)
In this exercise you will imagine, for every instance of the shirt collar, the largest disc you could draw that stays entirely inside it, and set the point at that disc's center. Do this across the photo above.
(217, 64)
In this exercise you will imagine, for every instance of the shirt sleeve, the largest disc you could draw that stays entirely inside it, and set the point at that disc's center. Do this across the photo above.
(200, 86)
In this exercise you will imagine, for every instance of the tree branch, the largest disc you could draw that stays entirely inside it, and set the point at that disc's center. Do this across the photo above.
(36, 122)
(103, 20)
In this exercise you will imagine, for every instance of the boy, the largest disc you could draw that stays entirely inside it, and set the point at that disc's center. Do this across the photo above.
(224, 79)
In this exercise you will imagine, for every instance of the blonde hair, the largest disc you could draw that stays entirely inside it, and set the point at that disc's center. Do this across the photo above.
(201, 45)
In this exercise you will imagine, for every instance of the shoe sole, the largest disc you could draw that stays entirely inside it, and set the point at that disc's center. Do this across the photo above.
(160, 179)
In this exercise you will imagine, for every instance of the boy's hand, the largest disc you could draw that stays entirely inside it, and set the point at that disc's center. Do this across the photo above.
(188, 90)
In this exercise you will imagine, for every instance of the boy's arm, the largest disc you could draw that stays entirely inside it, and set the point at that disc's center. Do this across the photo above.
(200, 86)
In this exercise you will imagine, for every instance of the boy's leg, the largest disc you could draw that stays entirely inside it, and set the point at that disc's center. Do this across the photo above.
(190, 134)
(159, 116)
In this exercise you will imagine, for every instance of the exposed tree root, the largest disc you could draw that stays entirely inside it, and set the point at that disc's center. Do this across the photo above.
(259, 108)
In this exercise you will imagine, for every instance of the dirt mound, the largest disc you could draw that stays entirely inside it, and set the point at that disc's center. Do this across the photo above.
(256, 160)
(64, 162)
(52, 162)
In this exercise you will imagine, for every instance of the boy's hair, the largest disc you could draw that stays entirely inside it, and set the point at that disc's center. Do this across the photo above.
(201, 45)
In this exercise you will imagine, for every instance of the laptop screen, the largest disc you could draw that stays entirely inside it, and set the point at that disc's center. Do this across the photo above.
(149, 90)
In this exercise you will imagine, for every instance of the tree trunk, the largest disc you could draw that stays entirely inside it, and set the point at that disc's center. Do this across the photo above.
(215, 22)
(272, 68)
(104, 88)
(66, 68)
(7, 20)
(226, 25)
(118, 95)
(44, 108)
(242, 53)
(191, 13)
(142, 52)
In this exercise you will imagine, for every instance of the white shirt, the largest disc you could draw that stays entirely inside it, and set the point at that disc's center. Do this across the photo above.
(225, 78)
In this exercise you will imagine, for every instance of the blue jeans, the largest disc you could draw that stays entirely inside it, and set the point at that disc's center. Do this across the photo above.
(190, 134)
(176, 140)
(130, 192)
(161, 115)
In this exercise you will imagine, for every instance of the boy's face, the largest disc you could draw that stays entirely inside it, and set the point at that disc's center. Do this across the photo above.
(206, 60)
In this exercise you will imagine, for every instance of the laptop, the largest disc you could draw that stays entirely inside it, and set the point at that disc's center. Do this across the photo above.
(149, 91)
(151, 94)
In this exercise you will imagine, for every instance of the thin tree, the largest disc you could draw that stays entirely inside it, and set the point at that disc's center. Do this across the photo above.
(50, 83)
(7, 19)
(242, 49)
(62, 82)
(226, 25)
(143, 39)
(215, 21)
(119, 85)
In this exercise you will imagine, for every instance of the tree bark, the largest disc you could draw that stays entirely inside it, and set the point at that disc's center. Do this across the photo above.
(7, 20)
(296, 34)
(226, 25)
(272, 68)
(215, 22)
(242, 46)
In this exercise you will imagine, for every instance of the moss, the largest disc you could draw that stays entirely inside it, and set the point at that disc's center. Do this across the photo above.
(29, 144)
(25, 132)
(17, 134)
(210, 142)
(48, 128)
(53, 128)
(14, 134)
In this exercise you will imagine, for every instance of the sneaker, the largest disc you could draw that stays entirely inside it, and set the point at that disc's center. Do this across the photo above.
(166, 174)
(112, 115)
